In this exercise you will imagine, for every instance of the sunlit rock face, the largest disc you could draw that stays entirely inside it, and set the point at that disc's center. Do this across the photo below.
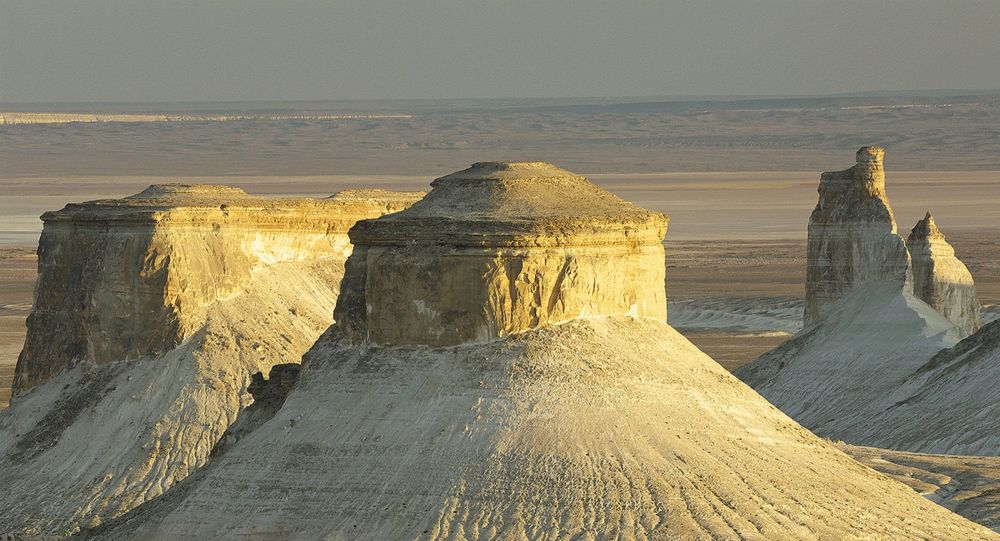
(940, 279)
(852, 234)
(123, 278)
(497, 249)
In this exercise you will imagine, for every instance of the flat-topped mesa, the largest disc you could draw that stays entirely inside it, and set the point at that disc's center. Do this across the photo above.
(940, 279)
(123, 278)
(852, 234)
(524, 244)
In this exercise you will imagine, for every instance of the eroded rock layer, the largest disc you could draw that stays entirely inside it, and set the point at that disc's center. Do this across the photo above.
(206, 286)
(852, 234)
(498, 249)
(120, 279)
(940, 279)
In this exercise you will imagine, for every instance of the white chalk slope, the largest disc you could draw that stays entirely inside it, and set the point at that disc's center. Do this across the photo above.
(951, 405)
(595, 429)
(96, 441)
(843, 376)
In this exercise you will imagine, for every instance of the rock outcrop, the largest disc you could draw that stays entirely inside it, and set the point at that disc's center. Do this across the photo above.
(123, 278)
(525, 244)
(199, 288)
(852, 234)
(876, 312)
(940, 279)
(535, 419)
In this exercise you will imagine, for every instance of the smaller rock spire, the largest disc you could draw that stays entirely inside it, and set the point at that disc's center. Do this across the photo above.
(926, 229)
(940, 279)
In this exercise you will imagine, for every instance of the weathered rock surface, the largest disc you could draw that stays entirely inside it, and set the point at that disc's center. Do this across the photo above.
(610, 428)
(843, 376)
(123, 278)
(202, 287)
(852, 234)
(533, 418)
(940, 279)
(501, 248)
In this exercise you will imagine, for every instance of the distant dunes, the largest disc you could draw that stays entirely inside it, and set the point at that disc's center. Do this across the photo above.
(66, 118)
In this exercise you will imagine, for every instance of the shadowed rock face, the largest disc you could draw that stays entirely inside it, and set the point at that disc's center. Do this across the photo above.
(852, 234)
(123, 278)
(940, 279)
(498, 249)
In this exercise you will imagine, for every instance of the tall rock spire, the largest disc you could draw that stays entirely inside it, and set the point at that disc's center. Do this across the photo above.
(852, 234)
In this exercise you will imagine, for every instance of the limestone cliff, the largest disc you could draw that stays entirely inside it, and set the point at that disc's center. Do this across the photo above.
(523, 244)
(120, 279)
(940, 279)
(852, 234)
(199, 288)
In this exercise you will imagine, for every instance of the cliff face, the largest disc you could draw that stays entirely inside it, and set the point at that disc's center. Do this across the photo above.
(523, 245)
(852, 234)
(120, 279)
(940, 279)
(205, 286)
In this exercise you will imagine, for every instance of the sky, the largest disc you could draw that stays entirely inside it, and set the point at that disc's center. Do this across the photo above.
(219, 50)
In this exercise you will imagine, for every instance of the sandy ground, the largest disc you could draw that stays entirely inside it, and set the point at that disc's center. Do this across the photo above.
(967, 485)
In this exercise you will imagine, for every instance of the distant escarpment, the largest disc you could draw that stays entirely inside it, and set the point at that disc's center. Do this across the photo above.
(120, 279)
(940, 279)
(152, 313)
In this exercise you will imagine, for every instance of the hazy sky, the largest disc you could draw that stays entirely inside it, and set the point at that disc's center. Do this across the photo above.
(205, 50)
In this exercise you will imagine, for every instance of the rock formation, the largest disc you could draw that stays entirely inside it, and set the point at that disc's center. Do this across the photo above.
(940, 279)
(852, 234)
(199, 287)
(526, 244)
(878, 312)
(549, 412)
(124, 278)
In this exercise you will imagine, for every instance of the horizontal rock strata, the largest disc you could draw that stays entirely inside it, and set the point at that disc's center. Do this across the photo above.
(498, 249)
(123, 278)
